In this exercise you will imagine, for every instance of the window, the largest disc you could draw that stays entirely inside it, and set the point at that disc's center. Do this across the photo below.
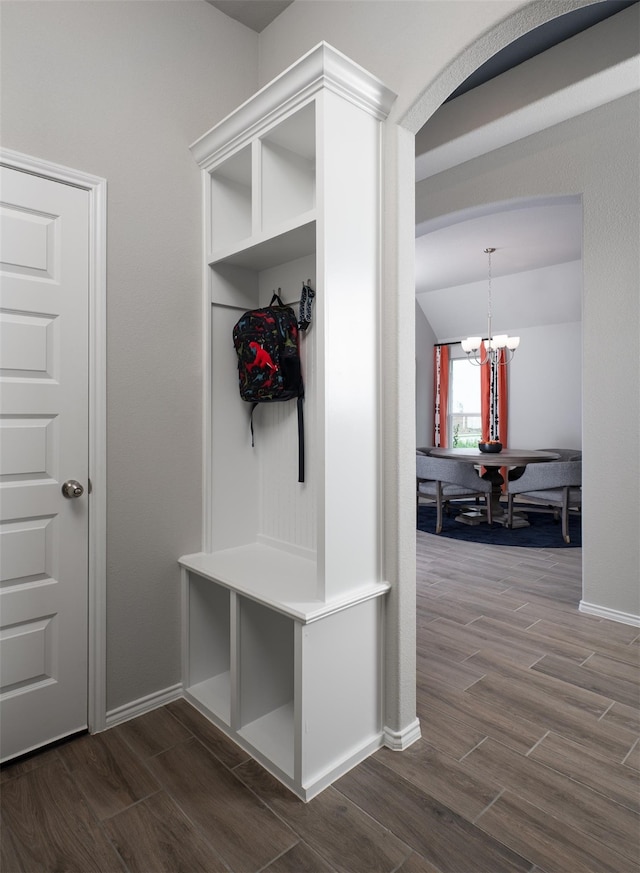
(465, 422)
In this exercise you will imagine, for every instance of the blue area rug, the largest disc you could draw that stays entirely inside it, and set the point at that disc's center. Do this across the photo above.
(543, 532)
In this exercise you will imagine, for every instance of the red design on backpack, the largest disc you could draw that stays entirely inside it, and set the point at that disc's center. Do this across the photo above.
(262, 358)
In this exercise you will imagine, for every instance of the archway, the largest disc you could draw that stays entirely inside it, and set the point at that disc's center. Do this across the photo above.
(399, 313)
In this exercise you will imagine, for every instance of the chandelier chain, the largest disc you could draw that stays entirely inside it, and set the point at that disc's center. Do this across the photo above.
(489, 251)
(497, 349)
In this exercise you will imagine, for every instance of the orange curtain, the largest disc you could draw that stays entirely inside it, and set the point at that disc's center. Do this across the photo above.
(502, 401)
(485, 396)
(440, 395)
(494, 401)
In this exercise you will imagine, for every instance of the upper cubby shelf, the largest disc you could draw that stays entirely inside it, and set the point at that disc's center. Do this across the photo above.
(231, 199)
(261, 162)
(288, 169)
(321, 68)
(290, 240)
(263, 197)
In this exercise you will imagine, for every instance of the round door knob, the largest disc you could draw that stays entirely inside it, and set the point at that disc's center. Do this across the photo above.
(72, 489)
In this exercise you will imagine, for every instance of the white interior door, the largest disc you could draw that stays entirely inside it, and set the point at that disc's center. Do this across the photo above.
(44, 276)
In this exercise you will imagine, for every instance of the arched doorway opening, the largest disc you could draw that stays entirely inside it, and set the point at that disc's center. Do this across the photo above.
(399, 252)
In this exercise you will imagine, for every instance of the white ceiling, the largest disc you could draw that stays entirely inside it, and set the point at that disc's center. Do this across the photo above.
(538, 251)
(526, 234)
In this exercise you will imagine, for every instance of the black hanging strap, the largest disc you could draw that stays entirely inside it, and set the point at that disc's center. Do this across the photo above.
(300, 440)
(253, 409)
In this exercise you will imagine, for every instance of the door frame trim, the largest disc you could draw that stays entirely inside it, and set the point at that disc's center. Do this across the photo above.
(97, 190)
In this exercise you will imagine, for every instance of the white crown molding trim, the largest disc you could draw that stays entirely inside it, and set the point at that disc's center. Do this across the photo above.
(143, 705)
(398, 741)
(97, 190)
(610, 614)
(322, 67)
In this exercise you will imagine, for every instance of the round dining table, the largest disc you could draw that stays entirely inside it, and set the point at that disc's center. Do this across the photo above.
(493, 462)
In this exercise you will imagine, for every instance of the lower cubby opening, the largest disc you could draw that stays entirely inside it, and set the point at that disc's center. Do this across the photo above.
(266, 683)
(296, 685)
(209, 646)
(273, 736)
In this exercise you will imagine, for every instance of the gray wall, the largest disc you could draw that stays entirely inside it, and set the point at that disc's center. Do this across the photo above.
(425, 339)
(120, 90)
(545, 388)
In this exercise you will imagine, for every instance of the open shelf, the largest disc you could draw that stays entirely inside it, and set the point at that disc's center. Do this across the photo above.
(291, 239)
(231, 200)
(256, 499)
(210, 655)
(266, 687)
(272, 735)
(282, 581)
(215, 695)
(288, 169)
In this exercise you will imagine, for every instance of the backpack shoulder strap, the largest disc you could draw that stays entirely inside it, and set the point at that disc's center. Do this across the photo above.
(306, 304)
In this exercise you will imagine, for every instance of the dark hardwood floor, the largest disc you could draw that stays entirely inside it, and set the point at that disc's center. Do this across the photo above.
(529, 759)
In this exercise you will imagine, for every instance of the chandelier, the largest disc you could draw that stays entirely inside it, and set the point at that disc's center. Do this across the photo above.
(493, 344)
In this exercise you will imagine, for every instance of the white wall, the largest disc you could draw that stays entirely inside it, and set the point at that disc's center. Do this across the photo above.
(529, 298)
(425, 339)
(545, 388)
(120, 90)
(544, 385)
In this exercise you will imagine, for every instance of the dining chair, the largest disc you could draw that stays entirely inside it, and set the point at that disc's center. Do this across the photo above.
(563, 455)
(555, 486)
(441, 480)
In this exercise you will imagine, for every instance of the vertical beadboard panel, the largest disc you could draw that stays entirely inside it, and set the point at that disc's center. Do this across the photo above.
(235, 501)
(287, 508)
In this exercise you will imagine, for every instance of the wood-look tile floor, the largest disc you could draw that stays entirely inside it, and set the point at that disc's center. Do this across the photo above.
(529, 759)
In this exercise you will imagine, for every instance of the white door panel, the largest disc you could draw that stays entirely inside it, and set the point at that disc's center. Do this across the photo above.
(44, 274)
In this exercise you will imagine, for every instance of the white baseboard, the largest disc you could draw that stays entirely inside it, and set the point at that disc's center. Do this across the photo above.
(611, 614)
(398, 741)
(142, 705)
(318, 782)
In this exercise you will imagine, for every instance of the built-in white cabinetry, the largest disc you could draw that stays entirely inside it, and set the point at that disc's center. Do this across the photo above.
(283, 607)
